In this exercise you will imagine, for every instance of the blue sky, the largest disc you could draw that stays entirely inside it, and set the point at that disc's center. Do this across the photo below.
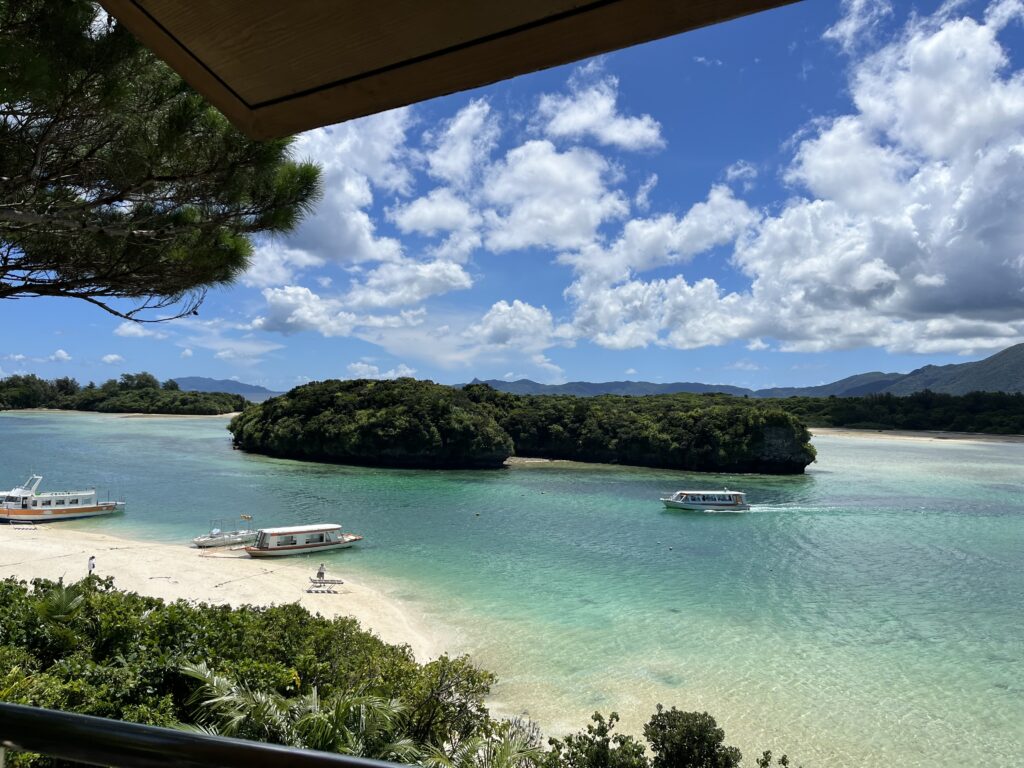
(815, 191)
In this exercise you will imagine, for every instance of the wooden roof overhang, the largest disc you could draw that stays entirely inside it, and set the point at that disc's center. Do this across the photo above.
(276, 67)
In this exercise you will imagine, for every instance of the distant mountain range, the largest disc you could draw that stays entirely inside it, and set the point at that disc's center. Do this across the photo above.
(1002, 372)
(253, 392)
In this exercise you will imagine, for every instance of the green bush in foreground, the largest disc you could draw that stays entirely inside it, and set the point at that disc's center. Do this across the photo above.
(285, 676)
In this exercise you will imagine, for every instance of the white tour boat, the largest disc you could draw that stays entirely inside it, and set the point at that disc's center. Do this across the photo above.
(707, 501)
(26, 504)
(218, 537)
(300, 539)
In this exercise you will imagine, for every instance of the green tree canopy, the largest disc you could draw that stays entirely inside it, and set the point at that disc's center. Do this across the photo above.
(688, 740)
(117, 181)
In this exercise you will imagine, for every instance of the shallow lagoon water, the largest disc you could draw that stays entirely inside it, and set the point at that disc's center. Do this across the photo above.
(866, 613)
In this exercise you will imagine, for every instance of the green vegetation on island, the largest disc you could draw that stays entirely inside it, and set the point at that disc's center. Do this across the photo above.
(410, 423)
(285, 676)
(400, 423)
(993, 413)
(132, 393)
(690, 432)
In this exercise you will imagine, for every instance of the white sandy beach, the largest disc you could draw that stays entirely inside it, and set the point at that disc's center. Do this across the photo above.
(132, 415)
(218, 576)
(903, 434)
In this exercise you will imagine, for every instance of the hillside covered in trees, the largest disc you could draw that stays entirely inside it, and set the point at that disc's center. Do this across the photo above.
(132, 393)
(409, 423)
(285, 676)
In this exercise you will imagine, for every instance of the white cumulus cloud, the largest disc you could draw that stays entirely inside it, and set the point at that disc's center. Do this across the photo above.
(132, 330)
(405, 283)
(859, 20)
(590, 109)
(464, 144)
(544, 197)
(365, 370)
(294, 308)
(440, 210)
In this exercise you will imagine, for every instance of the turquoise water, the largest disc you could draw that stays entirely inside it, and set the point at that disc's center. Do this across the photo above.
(867, 613)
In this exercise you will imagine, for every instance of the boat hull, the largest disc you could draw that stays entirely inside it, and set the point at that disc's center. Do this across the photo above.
(693, 506)
(301, 549)
(46, 516)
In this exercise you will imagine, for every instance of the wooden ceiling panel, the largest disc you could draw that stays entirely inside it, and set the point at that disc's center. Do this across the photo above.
(276, 67)
(280, 48)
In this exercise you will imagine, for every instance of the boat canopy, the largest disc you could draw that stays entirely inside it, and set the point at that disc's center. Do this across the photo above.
(28, 488)
(712, 493)
(315, 528)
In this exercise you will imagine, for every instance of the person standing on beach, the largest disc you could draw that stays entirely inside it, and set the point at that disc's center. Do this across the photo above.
(321, 572)
(92, 564)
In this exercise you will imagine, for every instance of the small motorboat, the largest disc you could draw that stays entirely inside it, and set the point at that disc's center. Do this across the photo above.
(218, 537)
(301, 539)
(707, 501)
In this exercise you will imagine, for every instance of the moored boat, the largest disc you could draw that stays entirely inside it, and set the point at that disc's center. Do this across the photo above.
(25, 503)
(707, 501)
(218, 537)
(300, 539)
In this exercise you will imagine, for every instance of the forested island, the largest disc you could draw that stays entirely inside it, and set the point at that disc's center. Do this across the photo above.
(285, 676)
(410, 423)
(132, 393)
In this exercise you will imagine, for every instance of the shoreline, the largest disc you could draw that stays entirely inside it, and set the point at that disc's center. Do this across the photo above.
(127, 414)
(217, 577)
(917, 435)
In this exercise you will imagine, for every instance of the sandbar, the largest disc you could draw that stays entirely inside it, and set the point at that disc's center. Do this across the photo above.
(906, 434)
(217, 576)
(129, 414)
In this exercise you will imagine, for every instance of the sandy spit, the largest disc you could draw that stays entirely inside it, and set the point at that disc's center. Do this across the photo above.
(219, 576)
(229, 415)
(898, 434)
(132, 415)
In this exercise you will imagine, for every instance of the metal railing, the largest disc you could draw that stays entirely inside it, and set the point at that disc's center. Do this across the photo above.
(99, 741)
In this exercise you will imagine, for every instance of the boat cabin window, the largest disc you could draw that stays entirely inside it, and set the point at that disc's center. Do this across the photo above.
(60, 502)
(35, 503)
(11, 498)
(46, 503)
(285, 541)
(73, 501)
(315, 538)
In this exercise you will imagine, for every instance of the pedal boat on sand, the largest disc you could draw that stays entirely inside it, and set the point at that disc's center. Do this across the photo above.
(218, 537)
(300, 539)
(25, 504)
(707, 501)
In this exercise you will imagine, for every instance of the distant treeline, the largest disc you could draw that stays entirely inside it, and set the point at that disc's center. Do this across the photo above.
(283, 675)
(409, 423)
(132, 393)
(996, 413)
